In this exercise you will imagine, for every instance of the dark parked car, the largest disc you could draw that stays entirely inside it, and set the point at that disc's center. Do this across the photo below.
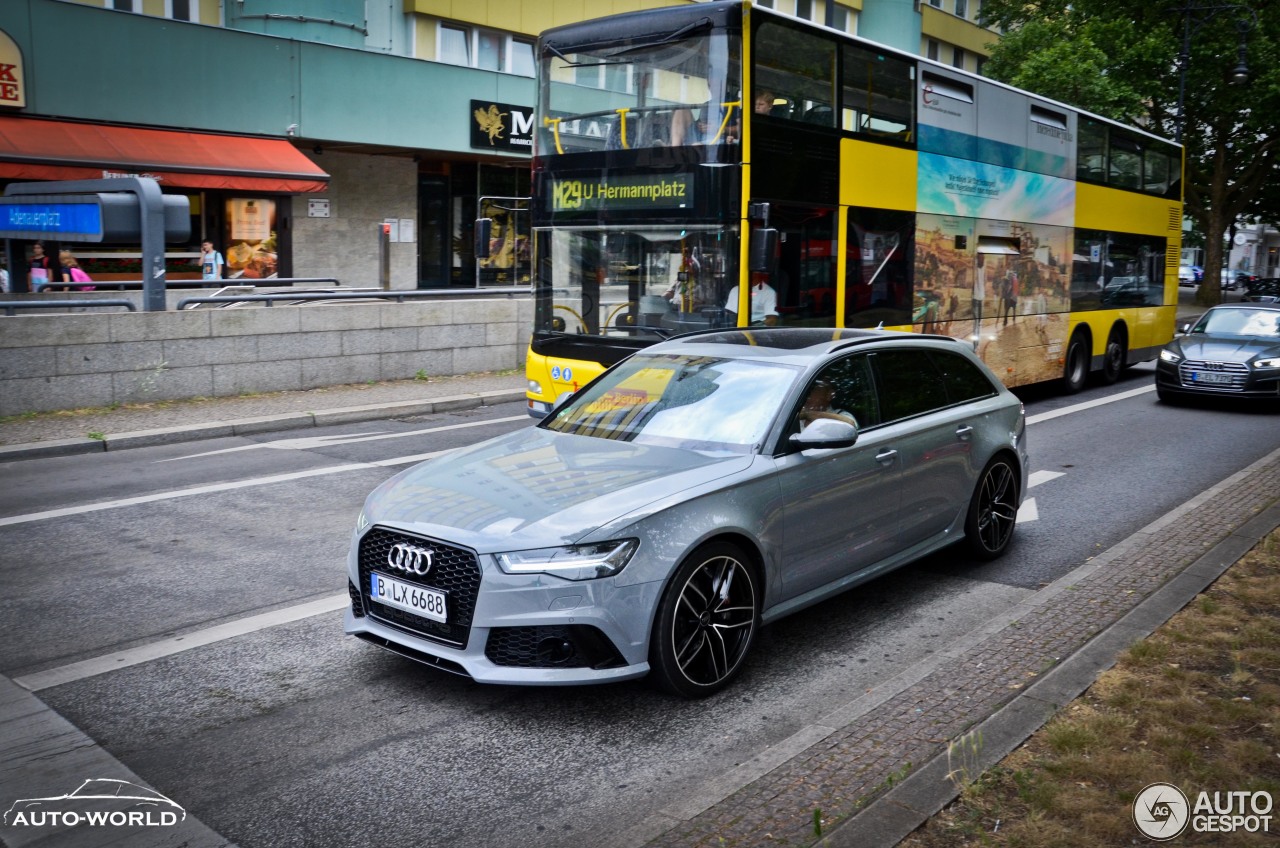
(1233, 350)
(1262, 291)
(694, 492)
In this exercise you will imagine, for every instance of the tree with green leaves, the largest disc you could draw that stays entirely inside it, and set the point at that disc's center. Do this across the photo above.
(1123, 59)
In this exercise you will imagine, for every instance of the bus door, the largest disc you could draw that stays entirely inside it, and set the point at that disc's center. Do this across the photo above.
(804, 276)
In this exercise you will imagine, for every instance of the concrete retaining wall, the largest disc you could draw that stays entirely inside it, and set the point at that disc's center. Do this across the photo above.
(92, 359)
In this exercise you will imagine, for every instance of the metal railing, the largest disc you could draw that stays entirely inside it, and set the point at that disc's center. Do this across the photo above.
(398, 296)
(11, 306)
(129, 285)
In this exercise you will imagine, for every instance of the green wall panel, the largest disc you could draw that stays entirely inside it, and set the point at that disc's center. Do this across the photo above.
(141, 70)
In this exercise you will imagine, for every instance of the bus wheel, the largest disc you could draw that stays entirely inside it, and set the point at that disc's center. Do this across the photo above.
(1113, 360)
(1076, 370)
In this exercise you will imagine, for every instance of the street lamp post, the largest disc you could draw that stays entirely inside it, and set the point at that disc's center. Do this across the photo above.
(1195, 16)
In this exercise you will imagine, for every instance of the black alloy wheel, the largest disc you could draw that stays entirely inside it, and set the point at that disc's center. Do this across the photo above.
(993, 510)
(706, 622)
(1076, 369)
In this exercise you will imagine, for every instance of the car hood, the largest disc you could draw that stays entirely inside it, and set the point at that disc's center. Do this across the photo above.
(1226, 348)
(537, 488)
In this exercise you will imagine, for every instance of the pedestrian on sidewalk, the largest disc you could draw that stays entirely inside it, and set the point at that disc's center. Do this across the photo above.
(211, 261)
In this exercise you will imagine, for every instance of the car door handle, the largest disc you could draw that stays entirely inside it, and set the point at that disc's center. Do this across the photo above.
(886, 457)
(963, 432)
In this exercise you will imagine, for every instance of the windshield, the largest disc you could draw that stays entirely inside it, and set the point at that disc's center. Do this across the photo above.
(1240, 322)
(675, 93)
(693, 402)
(635, 281)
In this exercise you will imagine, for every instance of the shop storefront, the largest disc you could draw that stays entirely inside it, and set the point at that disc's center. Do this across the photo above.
(240, 188)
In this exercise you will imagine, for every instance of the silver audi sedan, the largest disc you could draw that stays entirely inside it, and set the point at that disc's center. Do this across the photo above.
(693, 493)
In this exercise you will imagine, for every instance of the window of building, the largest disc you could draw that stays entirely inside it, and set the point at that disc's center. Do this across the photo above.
(932, 49)
(486, 49)
(962, 8)
(937, 4)
(981, 63)
(490, 51)
(957, 58)
(804, 9)
(454, 46)
(122, 5)
(182, 10)
(841, 19)
(522, 57)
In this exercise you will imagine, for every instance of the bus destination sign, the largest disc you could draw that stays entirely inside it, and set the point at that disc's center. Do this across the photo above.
(673, 191)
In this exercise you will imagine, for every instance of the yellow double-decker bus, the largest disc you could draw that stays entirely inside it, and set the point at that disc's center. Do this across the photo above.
(720, 165)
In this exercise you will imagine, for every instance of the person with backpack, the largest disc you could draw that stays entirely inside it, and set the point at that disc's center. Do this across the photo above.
(72, 273)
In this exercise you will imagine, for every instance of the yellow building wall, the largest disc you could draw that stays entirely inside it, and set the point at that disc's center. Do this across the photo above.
(940, 26)
(525, 17)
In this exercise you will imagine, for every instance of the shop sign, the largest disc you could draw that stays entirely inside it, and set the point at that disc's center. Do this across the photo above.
(251, 242)
(13, 88)
(501, 126)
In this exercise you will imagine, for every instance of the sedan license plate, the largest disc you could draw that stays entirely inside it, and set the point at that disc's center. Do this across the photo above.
(428, 603)
(1210, 377)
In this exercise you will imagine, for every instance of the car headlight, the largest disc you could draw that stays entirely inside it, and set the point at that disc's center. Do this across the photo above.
(1169, 356)
(574, 562)
(535, 388)
(1274, 362)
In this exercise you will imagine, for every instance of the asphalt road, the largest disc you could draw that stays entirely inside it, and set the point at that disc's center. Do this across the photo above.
(293, 734)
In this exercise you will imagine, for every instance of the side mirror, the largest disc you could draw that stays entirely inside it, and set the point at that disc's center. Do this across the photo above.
(484, 231)
(561, 400)
(826, 433)
(764, 245)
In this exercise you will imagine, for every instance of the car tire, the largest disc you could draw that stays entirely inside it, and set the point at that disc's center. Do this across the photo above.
(706, 622)
(1114, 357)
(1075, 371)
(993, 510)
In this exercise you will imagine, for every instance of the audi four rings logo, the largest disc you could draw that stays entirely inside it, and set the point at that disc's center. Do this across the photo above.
(410, 559)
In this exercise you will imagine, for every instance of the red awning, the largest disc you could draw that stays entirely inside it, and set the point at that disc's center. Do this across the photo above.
(33, 149)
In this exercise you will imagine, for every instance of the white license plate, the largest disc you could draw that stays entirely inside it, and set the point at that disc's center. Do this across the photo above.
(428, 603)
(1210, 377)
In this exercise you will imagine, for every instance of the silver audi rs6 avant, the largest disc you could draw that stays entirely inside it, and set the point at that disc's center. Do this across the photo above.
(694, 492)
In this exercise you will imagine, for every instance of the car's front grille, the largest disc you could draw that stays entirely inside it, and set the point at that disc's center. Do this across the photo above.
(454, 571)
(551, 646)
(1235, 374)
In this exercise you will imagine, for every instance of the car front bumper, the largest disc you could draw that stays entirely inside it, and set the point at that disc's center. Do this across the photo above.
(524, 629)
(1188, 377)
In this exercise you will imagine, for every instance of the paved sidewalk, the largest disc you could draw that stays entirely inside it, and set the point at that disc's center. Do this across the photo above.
(84, 431)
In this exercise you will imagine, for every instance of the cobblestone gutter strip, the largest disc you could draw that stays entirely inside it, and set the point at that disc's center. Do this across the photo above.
(912, 723)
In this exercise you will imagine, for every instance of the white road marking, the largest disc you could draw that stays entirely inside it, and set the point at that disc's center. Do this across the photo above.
(1035, 478)
(1027, 512)
(314, 442)
(1089, 404)
(176, 644)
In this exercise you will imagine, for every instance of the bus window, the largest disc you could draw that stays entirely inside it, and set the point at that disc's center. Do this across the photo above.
(877, 94)
(799, 68)
(629, 281)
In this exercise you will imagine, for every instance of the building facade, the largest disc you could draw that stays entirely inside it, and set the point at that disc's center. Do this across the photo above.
(303, 131)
